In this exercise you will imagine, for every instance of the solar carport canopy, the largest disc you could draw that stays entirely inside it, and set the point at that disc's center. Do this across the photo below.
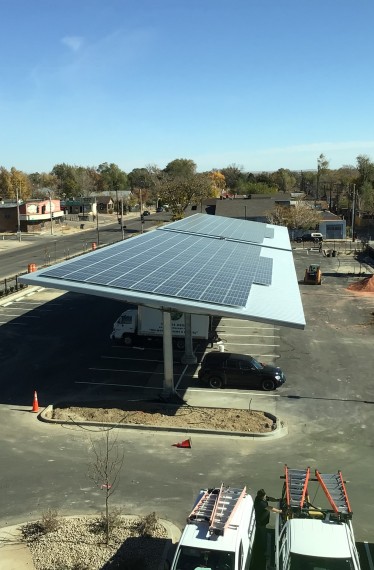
(202, 264)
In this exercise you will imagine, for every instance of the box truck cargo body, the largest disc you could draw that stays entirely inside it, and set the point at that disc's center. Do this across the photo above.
(147, 323)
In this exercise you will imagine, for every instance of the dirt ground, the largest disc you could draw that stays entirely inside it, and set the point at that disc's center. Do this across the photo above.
(165, 415)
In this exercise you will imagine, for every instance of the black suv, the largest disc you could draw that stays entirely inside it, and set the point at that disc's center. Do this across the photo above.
(316, 237)
(219, 369)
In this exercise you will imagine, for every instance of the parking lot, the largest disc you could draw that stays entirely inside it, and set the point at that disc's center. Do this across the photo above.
(59, 344)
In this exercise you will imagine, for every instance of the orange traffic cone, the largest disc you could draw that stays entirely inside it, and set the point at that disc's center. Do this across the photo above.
(35, 404)
(187, 444)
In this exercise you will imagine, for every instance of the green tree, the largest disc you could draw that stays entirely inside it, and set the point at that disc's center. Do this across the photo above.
(39, 180)
(87, 179)
(365, 169)
(246, 188)
(5, 183)
(284, 179)
(180, 168)
(67, 182)
(233, 174)
(112, 179)
(20, 184)
(367, 194)
(179, 192)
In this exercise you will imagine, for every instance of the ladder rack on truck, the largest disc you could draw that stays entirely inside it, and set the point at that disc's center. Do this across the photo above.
(217, 507)
(335, 491)
(296, 483)
(295, 496)
(307, 535)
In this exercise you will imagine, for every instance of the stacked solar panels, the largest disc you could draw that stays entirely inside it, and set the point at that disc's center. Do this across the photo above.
(201, 258)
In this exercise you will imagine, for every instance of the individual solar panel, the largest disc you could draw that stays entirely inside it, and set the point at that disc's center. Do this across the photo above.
(174, 264)
(220, 227)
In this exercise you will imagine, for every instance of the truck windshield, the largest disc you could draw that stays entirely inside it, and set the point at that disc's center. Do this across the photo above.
(301, 562)
(195, 558)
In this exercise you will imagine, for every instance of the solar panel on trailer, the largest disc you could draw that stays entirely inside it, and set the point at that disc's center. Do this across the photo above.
(220, 227)
(174, 264)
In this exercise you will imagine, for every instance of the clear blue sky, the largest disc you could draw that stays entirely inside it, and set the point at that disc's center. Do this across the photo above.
(262, 84)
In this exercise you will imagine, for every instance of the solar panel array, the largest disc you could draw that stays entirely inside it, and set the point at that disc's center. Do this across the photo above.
(176, 264)
(218, 226)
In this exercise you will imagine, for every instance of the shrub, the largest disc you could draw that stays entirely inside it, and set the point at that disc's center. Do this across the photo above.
(50, 521)
(115, 521)
(147, 525)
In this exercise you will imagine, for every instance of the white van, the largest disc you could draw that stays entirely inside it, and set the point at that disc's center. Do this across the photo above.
(220, 532)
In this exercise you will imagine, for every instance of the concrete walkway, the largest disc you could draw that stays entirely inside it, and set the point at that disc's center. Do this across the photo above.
(14, 554)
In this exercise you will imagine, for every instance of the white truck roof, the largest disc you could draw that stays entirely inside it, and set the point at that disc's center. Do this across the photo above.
(313, 537)
(197, 535)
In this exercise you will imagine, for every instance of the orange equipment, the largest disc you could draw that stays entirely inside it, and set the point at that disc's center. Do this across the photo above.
(313, 275)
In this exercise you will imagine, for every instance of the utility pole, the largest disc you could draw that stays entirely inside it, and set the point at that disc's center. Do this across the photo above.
(18, 218)
(97, 221)
(122, 227)
(353, 212)
(50, 211)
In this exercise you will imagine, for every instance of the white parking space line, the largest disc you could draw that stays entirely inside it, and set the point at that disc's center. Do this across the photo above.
(119, 385)
(368, 554)
(243, 324)
(250, 344)
(26, 302)
(126, 370)
(131, 358)
(224, 393)
(29, 316)
(10, 315)
(248, 335)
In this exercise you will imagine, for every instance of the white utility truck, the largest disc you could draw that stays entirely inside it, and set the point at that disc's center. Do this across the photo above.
(145, 323)
(220, 532)
(314, 538)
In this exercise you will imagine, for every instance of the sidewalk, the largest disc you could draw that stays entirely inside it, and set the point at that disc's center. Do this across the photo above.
(14, 554)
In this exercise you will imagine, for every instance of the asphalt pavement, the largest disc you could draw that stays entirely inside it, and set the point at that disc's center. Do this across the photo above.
(327, 403)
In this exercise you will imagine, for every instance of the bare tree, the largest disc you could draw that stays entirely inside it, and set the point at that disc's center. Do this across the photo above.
(301, 215)
(105, 470)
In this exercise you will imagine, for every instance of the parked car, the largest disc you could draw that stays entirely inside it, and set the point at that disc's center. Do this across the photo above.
(160, 209)
(146, 213)
(220, 369)
(312, 236)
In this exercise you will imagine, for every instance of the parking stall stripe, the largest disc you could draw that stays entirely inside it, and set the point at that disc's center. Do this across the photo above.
(119, 385)
(131, 358)
(250, 344)
(126, 370)
(248, 335)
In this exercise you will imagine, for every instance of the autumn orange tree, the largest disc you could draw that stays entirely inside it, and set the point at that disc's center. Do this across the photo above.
(13, 183)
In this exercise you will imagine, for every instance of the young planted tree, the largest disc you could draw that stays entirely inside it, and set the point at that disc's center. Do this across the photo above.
(105, 470)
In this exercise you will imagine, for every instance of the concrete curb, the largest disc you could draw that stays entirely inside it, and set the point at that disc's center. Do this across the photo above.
(29, 290)
(280, 429)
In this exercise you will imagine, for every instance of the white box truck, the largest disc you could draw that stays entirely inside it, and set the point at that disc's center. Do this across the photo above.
(145, 323)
